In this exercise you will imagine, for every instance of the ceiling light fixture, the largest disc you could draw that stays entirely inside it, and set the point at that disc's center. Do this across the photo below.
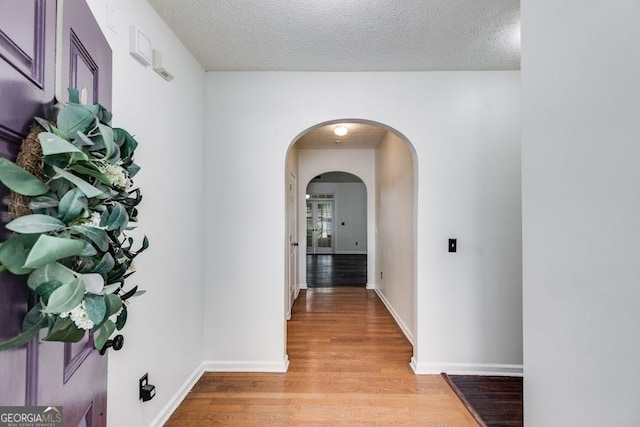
(341, 130)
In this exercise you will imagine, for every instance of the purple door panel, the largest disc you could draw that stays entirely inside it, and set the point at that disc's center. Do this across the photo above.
(86, 55)
(46, 373)
(27, 61)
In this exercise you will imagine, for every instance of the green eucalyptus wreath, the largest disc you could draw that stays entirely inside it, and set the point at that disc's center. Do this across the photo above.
(73, 244)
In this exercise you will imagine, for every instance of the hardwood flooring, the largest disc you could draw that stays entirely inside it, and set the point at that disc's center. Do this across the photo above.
(336, 270)
(496, 401)
(349, 366)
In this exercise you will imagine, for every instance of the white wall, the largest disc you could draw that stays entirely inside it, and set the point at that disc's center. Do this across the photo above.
(465, 129)
(395, 238)
(164, 333)
(360, 163)
(350, 208)
(581, 210)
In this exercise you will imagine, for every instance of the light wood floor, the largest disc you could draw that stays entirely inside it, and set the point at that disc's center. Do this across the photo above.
(349, 366)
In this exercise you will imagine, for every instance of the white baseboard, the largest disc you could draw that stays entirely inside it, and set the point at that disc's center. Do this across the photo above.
(246, 366)
(467, 369)
(371, 285)
(401, 324)
(177, 398)
(302, 286)
(351, 252)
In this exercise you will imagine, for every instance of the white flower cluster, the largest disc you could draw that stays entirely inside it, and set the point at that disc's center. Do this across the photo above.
(94, 220)
(79, 316)
(117, 174)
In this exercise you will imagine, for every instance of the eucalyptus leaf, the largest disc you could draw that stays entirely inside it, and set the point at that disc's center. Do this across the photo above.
(19, 180)
(133, 170)
(105, 265)
(74, 95)
(72, 205)
(73, 118)
(121, 320)
(104, 115)
(111, 288)
(53, 144)
(45, 290)
(118, 218)
(89, 190)
(44, 123)
(35, 223)
(103, 334)
(33, 317)
(96, 235)
(15, 251)
(96, 308)
(50, 272)
(83, 140)
(93, 283)
(48, 249)
(112, 152)
(114, 304)
(57, 132)
(89, 169)
(88, 250)
(26, 336)
(66, 297)
(127, 143)
(65, 330)
(129, 293)
(42, 202)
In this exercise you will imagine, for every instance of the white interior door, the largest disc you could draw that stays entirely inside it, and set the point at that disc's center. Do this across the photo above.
(292, 216)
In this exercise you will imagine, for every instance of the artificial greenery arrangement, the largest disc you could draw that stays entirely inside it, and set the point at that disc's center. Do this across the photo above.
(71, 238)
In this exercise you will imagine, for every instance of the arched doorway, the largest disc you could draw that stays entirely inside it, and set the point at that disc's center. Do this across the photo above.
(336, 230)
(386, 163)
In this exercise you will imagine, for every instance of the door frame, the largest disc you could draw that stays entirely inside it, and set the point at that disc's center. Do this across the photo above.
(292, 254)
(314, 248)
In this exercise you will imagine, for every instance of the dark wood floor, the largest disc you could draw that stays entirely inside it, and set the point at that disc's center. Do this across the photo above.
(496, 401)
(325, 270)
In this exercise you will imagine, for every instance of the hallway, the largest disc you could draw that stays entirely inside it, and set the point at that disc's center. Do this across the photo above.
(349, 365)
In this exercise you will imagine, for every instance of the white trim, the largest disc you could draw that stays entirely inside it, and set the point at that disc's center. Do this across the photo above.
(302, 286)
(246, 366)
(397, 318)
(177, 398)
(467, 369)
(414, 365)
(350, 252)
(371, 285)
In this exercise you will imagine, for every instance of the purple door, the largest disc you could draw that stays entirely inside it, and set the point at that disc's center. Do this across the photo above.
(46, 373)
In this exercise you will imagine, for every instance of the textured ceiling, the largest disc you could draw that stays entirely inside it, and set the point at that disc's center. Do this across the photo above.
(360, 136)
(347, 35)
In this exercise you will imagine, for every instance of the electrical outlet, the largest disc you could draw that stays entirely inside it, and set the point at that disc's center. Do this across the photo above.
(381, 275)
(146, 390)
